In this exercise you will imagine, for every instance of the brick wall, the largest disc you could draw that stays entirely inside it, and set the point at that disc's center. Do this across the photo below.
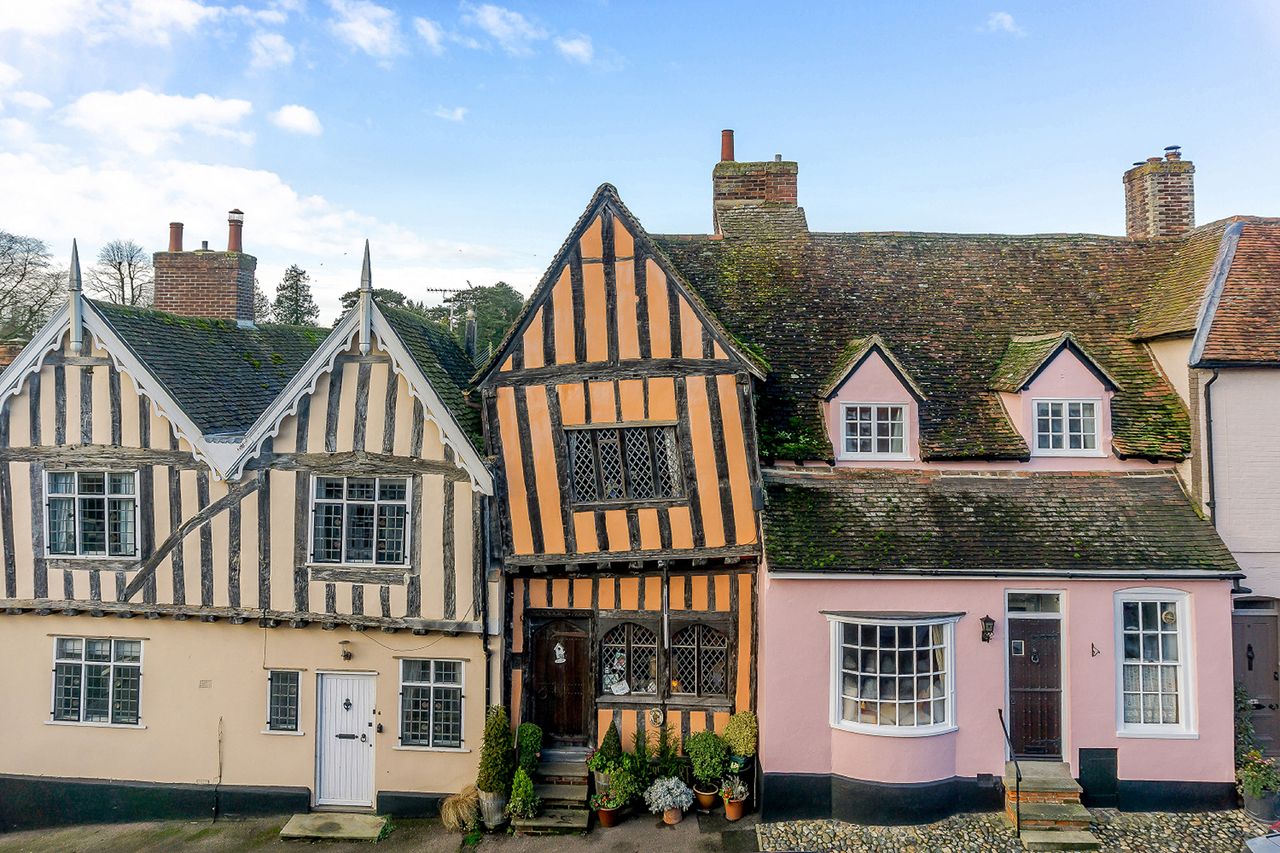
(9, 351)
(771, 182)
(1159, 197)
(205, 284)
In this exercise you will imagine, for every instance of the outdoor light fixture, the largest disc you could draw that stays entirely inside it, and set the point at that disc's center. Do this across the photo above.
(346, 652)
(988, 628)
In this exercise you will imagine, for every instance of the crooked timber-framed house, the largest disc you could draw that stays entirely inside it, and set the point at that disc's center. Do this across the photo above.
(241, 563)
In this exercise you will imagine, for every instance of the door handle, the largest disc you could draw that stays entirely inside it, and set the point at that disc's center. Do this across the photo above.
(345, 737)
(363, 738)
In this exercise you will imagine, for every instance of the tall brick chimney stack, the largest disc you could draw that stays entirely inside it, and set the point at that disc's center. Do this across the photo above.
(734, 184)
(1160, 197)
(203, 283)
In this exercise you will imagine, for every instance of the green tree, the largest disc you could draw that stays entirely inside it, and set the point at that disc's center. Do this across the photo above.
(495, 307)
(262, 310)
(294, 304)
(384, 296)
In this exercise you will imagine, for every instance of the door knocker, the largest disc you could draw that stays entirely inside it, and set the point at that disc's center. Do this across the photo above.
(346, 704)
(1035, 655)
(558, 651)
(1248, 653)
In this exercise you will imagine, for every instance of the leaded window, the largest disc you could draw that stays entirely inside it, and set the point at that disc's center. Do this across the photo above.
(431, 703)
(629, 661)
(624, 463)
(1064, 426)
(92, 514)
(282, 700)
(699, 662)
(97, 680)
(874, 430)
(360, 520)
(893, 675)
(1151, 669)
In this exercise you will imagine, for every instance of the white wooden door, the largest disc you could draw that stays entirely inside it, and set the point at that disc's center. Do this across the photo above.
(344, 740)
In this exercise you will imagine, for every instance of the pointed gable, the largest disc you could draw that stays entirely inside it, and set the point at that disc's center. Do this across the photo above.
(856, 354)
(1026, 357)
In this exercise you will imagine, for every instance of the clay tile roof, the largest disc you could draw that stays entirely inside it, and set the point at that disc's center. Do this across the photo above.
(1245, 322)
(1173, 302)
(1026, 356)
(912, 521)
(853, 356)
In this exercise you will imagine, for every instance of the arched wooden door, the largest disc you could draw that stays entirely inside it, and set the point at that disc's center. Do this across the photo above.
(561, 687)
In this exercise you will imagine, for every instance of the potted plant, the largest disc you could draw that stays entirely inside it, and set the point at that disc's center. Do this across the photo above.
(608, 757)
(734, 792)
(494, 778)
(709, 755)
(529, 746)
(609, 801)
(740, 733)
(524, 802)
(669, 796)
(1258, 781)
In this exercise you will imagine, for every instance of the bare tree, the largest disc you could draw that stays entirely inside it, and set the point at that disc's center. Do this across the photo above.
(31, 286)
(122, 274)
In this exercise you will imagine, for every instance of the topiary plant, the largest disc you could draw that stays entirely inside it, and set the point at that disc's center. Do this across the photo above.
(609, 755)
(666, 757)
(495, 755)
(528, 746)
(709, 755)
(524, 803)
(741, 733)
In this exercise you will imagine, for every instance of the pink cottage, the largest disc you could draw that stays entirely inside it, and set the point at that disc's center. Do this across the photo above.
(978, 547)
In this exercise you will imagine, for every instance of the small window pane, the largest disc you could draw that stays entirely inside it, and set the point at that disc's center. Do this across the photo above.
(415, 670)
(70, 648)
(93, 483)
(62, 483)
(128, 651)
(392, 490)
(329, 488)
(391, 529)
(328, 534)
(97, 693)
(448, 672)
(66, 691)
(125, 687)
(62, 526)
(121, 484)
(97, 650)
(360, 489)
(283, 701)
(360, 530)
(1033, 602)
(93, 526)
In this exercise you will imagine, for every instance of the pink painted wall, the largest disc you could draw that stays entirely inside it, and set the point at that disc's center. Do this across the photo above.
(795, 681)
(1066, 376)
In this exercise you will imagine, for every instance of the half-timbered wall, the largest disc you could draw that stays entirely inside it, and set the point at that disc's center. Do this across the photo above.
(617, 341)
(238, 548)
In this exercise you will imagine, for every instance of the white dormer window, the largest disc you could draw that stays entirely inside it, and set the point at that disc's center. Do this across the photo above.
(1067, 428)
(874, 431)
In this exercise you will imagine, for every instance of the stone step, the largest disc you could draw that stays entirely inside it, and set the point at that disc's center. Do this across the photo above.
(338, 826)
(1046, 815)
(553, 821)
(562, 770)
(1041, 776)
(1059, 839)
(565, 753)
(570, 795)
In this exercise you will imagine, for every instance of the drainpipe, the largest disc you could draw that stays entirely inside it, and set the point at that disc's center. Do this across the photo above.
(484, 603)
(1211, 503)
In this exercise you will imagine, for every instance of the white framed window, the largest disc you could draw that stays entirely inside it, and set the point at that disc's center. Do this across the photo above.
(91, 514)
(283, 700)
(892, 677)
(360, 521)
(431, 703)
(97, 680)
(1066, 428)
(874, 430)
(1153, 678)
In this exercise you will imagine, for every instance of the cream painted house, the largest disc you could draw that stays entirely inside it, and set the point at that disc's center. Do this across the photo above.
(242, 564)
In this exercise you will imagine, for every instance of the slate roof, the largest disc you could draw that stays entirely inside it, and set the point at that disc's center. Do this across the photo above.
(1245, 327)
(948, 306)
(222, 376)
(853, 520)
(443, 362)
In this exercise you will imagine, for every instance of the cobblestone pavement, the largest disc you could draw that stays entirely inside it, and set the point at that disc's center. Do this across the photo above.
(1148, 832)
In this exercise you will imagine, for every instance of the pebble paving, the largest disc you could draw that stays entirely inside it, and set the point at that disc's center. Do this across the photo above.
(1127, 832)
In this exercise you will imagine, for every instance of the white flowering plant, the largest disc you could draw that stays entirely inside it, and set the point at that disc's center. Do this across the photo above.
(668, 793)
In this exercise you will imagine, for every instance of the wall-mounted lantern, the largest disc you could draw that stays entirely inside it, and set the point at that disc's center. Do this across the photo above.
(343, 648)
(988, 628)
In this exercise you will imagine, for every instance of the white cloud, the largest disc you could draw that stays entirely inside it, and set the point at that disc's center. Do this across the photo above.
(296, 118)
(512, 31)
(145, 121)
(576, 48)
(269, 50)
(367, 26)
(30, 100)
(1003, 22)
(451, 113)
(151, 21)
(431, 33)
(8, 75)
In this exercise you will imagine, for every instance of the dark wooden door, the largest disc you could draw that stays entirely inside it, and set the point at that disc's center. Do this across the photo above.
(1257, 667)
(561, 686)
(1035, 687)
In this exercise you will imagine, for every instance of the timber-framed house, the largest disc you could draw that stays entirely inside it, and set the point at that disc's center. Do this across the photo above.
(240, 561)
(619, 414)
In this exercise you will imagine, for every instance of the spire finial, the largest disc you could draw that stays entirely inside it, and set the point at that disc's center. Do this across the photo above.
(73, 279)
(366, 274)
(75, 303)
(365, 304)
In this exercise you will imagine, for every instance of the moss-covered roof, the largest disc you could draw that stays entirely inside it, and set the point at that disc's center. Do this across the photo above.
(1025, 356)
(853, 355)
(912, 521)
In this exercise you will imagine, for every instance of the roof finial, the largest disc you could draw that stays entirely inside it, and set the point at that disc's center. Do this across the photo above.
(75, 302)
(366, 303)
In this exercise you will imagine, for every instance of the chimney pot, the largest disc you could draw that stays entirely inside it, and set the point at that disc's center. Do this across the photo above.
(204, 245)
(206, 283)
(777, 158)
(1159, 196)
(235, 230)
(175, 236)
(1173, 152)
(726, 146)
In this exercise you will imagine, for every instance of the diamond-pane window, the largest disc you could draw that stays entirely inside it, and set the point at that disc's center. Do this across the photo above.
(629, 661)
(610, 454)
(582, 465)
(700, 662)
(624, 463)
(639, 463)
(360, 521)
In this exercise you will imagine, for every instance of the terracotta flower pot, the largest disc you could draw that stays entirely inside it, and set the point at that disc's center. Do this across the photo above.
(734, 809)
(706, 799)
(609, 817)
(672, 816)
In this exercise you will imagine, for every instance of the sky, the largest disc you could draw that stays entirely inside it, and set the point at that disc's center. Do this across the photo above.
(463, 139)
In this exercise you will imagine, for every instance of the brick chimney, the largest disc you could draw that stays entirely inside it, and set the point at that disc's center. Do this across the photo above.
(207, 283)
(734, 184)
(1159, 196)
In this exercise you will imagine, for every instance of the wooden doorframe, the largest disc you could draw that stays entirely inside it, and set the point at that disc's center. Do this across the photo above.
(1267, 609)
(1060, 616)
(318, 752)
(536, 620)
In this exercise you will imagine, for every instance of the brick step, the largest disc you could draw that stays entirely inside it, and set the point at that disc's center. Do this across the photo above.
(1059, 839)
(567, 795)
(563, 772)
(553, 821)
(1011, 796)
(1052, 815)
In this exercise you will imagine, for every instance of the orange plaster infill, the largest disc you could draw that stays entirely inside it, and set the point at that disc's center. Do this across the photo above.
(604, 409)
(662, 398)
(544, 466)
(653, 593)
(700, 592)
(628, 325)
(735, 449)
(629, 594)
(704, 461)
(631, 397)
(573, 405)
(594, 312)
(650, 534)
(745, 608)
(517, 619)
(624, 246)
(690, 331)
(615, 525)
(517, 505)
(606, 598)
(681, 527)
(560, 593)
(675, 595)
(592, 243)
(533, 341)
(584, 532)
(722, 592)
(581, 592)
(659, 327)
(562, 308)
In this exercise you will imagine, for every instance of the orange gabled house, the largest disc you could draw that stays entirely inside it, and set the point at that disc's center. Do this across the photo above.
(619, 413)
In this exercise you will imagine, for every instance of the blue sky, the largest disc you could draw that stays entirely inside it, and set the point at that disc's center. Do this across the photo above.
(464, 139)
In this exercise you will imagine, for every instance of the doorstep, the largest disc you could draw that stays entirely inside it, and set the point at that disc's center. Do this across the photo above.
(335, 826)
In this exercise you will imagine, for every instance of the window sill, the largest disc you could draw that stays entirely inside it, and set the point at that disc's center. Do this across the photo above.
(357, 573)
(895, 731)
(282, 733)
(1078, 454)
(875, 457)
(94, 725)
(93, 562)
(453, 749)
(1156, 734)
(627, 503)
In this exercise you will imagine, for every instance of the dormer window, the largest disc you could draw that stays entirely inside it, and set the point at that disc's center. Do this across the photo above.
(1066, 427)
(874, 430)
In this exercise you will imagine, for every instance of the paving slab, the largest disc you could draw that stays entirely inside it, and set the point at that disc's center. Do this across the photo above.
(334, 826)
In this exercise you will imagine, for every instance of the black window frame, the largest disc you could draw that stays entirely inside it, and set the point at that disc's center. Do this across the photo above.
(282, 694)
(594, 445)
